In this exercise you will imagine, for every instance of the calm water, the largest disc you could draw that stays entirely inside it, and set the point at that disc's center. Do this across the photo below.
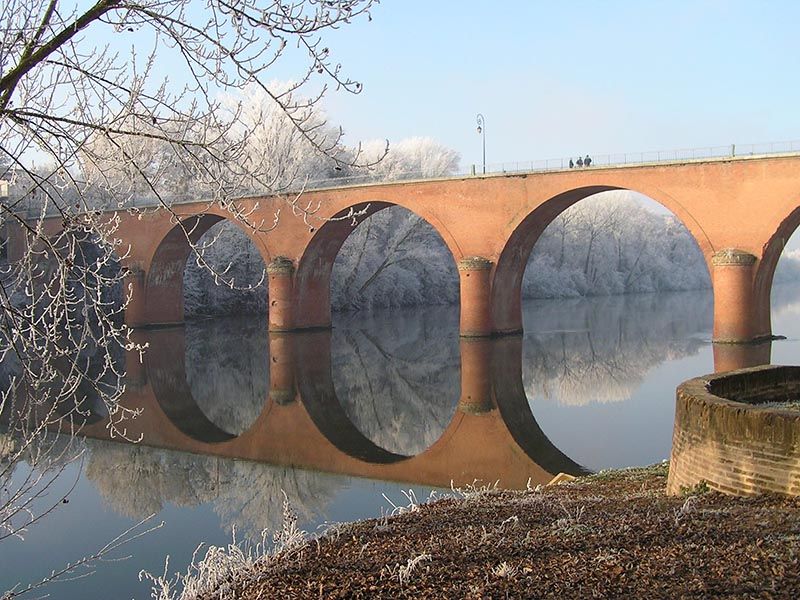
(383, 403)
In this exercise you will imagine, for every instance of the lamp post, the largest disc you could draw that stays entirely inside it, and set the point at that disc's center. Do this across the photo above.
(482, 131)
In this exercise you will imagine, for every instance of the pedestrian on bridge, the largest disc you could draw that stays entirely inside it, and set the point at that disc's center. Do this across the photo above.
(587, 161)
(571, 164)
(580, 161)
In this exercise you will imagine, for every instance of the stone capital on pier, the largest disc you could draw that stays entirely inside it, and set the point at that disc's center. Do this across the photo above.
(733, 257)
(280, 265)
(474, 263)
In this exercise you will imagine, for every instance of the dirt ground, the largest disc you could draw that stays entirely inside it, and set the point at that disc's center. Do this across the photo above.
(611, 535)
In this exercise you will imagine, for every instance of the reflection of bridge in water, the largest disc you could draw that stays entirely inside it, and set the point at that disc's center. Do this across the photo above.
(296, 418)
(492, 434)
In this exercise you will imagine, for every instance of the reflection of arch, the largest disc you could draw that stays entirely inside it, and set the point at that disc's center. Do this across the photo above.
(507, 282)
(315, 384)
(78, 263)
(312, 280)
(165, 361)
(164, 283)
(765, 271)
(315, 431)
(512, 403)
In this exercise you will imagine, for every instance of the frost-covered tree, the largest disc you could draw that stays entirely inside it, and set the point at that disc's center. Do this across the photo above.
(390, 259)
(611, 243)
(412, 158)
(295, 162)
(394, 257)
(226, 248)
(120, 99)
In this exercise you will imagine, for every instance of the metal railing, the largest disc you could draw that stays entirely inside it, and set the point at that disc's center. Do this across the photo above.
(731, 151)
(621, 160)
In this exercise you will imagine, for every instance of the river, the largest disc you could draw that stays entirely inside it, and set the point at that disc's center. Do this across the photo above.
(345, 422)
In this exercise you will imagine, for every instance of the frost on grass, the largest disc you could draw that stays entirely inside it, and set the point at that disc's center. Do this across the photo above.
(475, 490)
(505, 570)
(404, 573)
(412, 503)
(221, 566)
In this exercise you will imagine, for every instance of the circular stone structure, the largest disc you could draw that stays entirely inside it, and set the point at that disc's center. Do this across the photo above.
(738, 432)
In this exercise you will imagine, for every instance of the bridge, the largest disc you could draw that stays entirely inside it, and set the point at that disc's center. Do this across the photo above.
(739, 210)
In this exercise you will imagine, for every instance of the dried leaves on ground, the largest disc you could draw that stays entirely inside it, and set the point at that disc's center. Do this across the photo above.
(608, 535)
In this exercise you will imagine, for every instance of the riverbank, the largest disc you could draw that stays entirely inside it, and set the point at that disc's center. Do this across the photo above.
(613, 534)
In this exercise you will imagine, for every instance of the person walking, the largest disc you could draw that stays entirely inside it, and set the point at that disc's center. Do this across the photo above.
(587, 161)
(571, 164)
(580, 161)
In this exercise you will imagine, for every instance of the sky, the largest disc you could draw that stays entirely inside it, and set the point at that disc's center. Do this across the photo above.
(557, 79)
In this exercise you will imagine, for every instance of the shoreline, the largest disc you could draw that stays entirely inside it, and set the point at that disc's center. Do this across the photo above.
(612, 534)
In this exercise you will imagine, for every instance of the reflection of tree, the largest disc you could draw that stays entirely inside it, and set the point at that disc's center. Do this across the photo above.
(255, 502)
(397, 378)
(227, 369)
(138, 480)
(599, 350)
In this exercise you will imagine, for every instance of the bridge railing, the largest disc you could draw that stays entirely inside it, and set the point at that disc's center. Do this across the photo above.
(633, 158)
(33, 209)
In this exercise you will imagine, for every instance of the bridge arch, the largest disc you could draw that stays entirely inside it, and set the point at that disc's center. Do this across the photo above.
(766, 267)
(506, 289)
(312, 283)
(164, 287)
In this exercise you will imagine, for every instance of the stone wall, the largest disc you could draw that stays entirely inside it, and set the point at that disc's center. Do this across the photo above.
(729, 434)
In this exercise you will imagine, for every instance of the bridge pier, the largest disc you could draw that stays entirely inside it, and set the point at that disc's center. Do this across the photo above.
(476, 376)
(734, 296)
(729, 357)
(281, 294)
(135, 312)
(474, 273)
(282, 389)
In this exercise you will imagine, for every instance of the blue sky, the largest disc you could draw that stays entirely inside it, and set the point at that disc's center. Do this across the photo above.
(558, 79)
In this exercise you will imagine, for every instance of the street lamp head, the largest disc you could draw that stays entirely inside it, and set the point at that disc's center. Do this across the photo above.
(479, 129)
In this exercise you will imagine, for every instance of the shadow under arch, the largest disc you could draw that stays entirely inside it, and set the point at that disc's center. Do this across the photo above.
(512, 403)
(506, 290)
(314, 380)
(765, 271)
(165, 363)
(312, 284)
(164, 280)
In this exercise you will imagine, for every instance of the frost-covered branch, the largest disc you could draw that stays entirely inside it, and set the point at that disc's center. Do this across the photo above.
(108, 103)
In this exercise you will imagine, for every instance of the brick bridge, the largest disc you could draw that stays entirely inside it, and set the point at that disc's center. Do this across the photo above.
(740, 211)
